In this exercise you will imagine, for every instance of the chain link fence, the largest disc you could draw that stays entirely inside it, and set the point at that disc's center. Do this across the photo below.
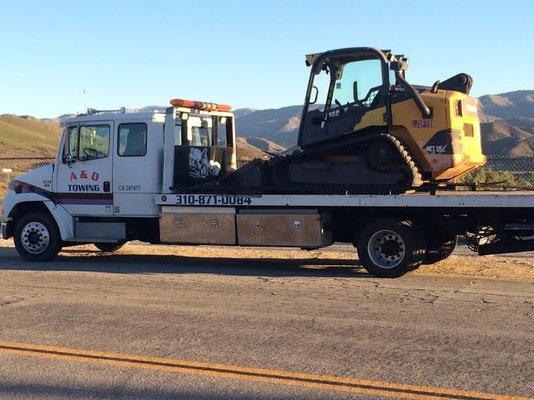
(11, 167)
(522, 167)
(501, 173)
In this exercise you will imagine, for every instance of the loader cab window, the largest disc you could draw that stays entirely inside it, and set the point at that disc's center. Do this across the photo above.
(321, 84)
(355, 86)
(132, 140)
(357, 82)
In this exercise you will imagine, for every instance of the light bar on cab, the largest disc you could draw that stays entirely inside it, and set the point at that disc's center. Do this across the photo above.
(200, 105)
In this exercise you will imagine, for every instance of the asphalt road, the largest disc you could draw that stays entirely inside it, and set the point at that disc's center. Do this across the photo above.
(220, 327)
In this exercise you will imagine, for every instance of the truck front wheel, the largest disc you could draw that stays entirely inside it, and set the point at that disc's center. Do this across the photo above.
(37, 237)
(390, 248)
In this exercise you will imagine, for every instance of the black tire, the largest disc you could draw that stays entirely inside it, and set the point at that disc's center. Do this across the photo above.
(109, 247)
(37, 237)
(390, 248)
(442, 250)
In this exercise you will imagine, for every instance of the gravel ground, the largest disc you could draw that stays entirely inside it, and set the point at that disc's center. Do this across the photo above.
(466, 323)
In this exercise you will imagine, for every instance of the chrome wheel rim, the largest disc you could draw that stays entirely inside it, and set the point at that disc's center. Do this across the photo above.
(386, 249)
(34, 237)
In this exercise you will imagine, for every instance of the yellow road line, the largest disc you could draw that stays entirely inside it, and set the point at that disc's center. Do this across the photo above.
(287, 378)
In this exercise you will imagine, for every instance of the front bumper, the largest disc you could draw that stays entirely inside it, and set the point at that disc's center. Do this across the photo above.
(7, 231)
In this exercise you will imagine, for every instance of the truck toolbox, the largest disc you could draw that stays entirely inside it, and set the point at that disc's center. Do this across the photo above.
(198, 226)
(295, 228)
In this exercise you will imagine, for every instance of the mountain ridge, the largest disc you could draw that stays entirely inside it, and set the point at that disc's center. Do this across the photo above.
(507, 128)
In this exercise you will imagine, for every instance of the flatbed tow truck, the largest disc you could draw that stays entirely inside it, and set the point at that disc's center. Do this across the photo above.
(171, 178)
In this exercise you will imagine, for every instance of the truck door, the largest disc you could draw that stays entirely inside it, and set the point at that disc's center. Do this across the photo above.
(83, 178)
(136, 173)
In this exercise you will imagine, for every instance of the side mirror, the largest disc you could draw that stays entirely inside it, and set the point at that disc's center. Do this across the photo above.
(69, 159)
(355, 90)
(313, 95)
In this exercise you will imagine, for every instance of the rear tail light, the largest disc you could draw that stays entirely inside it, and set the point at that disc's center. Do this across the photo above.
(458, 108)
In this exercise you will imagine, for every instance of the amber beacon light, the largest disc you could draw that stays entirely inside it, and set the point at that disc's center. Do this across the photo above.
(200, 105)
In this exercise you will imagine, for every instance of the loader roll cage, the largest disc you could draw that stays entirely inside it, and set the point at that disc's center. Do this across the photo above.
(334, 60)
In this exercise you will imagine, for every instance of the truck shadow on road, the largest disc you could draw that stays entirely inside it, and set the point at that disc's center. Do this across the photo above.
(108, 391)
(72, 259)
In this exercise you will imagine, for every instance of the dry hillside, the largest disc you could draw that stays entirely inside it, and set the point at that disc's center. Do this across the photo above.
(26, 136)
(501, 138)
(509, 105)
(508, 127)
(265, 145)
(247, 152)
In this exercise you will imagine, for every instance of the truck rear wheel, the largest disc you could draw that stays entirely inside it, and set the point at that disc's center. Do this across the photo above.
(390, 248)
(37, 237)
(443, 250)
(109, 247)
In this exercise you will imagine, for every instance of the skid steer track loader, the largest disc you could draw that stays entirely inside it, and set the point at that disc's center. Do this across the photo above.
(365, 129)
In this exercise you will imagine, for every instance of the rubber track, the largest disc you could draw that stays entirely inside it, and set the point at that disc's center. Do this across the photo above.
(417, 178)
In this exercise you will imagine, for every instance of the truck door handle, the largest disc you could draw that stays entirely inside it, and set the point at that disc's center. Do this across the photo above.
(107, 186)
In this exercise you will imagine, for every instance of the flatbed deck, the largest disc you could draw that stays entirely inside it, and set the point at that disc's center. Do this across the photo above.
(444, 199)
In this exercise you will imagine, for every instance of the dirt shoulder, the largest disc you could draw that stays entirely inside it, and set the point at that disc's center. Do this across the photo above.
(509, 267)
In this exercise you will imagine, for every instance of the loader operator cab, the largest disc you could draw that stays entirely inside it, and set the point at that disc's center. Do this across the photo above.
(349, 88)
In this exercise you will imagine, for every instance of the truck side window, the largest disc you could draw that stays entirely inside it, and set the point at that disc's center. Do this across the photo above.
(132, 140)
(71, 144)
(93, 142)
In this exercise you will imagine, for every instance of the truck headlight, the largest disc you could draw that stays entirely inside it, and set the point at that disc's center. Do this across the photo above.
(16, 186)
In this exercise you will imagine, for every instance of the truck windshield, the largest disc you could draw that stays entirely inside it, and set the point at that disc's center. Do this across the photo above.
(86, 143)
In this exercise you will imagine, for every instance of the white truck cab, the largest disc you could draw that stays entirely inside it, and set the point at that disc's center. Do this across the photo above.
(109, 169)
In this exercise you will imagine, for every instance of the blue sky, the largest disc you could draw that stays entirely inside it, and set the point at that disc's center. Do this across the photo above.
(245, 53)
